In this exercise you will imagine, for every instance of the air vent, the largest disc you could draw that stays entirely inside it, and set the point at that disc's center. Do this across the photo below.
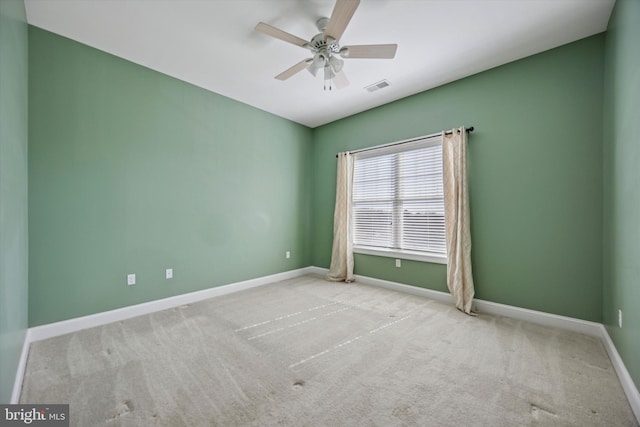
(377, 86)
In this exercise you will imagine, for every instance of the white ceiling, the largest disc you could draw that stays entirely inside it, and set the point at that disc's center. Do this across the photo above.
(213, 44)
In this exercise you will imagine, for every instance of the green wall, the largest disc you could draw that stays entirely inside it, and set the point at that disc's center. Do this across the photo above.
(13, 190)
(622, 183)
(132, 171)
(535, 178)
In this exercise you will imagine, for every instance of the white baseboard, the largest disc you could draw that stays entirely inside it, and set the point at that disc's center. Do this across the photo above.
(395, 286)
(439, 296)
(85, 322)
(320, 271)
(582, 326)
(541, 318)
(22, 364)
(629, 387)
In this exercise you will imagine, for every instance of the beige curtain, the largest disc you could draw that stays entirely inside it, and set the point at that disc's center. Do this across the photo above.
(456, 213)
(341, 268)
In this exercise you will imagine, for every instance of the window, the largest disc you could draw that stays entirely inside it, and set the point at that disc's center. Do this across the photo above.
(398, 201)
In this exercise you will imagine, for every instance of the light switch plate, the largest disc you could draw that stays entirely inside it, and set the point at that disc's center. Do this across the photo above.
(168, 273)
(131, 279)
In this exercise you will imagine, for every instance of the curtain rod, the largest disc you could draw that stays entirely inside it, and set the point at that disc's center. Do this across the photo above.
(469, 129)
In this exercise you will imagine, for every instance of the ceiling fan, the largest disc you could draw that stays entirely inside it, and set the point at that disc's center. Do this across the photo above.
(327, 52)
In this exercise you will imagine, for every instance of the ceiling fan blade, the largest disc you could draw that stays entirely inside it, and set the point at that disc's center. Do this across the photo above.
(280, 34)
(340, 80)
(340, 17)
(379, 51)
(302, 65)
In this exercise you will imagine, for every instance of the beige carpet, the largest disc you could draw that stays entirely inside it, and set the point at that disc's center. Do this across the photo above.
(307, 352)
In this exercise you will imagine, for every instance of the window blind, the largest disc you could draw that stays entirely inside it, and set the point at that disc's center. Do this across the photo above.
(397, 200)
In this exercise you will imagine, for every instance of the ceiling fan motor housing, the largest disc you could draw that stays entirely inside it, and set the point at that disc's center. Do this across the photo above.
(318, 42)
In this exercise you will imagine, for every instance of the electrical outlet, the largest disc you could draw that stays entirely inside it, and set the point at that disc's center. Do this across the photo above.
(620, 318)
(287, 254)
(131, 279)
(168, 273)
(398, 263)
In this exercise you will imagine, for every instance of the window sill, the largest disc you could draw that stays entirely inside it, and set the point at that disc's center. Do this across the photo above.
(395, 253)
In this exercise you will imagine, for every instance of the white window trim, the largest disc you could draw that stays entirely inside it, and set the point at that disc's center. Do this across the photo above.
(402, 254)
(425, 141)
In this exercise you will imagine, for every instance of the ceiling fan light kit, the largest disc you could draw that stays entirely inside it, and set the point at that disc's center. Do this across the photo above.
(327, 52)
